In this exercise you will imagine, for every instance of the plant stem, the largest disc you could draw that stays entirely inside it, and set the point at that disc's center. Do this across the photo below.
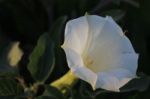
(21, 81)
(65, 82)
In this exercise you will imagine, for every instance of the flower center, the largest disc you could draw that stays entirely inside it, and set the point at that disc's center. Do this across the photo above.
(88, 61)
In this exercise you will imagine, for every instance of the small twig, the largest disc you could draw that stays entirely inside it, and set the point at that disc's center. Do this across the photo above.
(22, 82)
(100, 6)
(132, 2)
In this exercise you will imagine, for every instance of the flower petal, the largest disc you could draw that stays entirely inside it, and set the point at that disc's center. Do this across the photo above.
(74, 59)
(76, 33)
(76, 65)
(109, 34)
(98, 52)
(86, 75)
(128, 61)
(114, 79)
(108, 46)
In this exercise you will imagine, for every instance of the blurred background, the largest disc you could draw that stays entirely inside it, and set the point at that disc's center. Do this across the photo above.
(26, 20)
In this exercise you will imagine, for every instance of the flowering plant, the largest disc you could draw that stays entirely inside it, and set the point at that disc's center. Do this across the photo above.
(98, 52)
(49, 50)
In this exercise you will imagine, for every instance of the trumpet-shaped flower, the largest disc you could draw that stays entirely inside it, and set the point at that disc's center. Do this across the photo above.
(99, 53)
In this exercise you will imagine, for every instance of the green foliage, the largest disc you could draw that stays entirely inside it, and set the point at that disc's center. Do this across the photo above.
(10, 88)
(56, 31)
(141, 84)
(51, 93)
(41, 59)
(87, 92)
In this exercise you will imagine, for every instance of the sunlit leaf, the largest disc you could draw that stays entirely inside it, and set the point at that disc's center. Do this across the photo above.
(14, 54)
(6, 63)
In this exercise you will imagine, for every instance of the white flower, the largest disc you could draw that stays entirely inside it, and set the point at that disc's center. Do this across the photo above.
(99, 53)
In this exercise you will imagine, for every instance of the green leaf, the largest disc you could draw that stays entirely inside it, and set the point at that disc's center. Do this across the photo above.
(140, 84)
(6, 71)
(86, 91)
(136, 96)
(56, 31)
(41, 60)
(9, 87)
(51, 93)
(46, 97)
(117, 2)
